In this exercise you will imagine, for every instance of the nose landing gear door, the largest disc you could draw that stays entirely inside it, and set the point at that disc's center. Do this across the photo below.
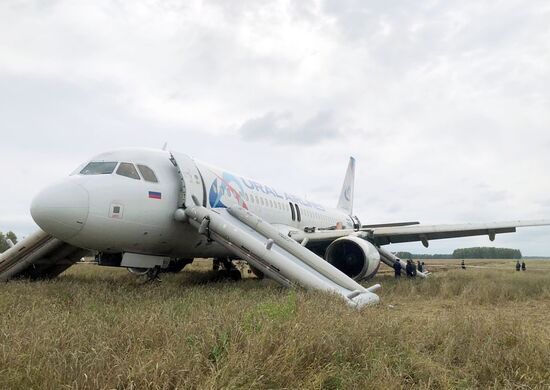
(191, 181)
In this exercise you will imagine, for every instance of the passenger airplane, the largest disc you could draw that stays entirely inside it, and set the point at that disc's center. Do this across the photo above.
(147, 209)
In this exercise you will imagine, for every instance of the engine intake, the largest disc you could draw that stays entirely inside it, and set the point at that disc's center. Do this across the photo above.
(355, 257)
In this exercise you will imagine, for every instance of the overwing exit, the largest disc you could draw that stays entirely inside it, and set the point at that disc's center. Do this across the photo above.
(147, 209)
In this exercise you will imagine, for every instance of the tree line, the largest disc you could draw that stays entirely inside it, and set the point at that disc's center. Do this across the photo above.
(4, 240)
(487, 253)
(468, 253)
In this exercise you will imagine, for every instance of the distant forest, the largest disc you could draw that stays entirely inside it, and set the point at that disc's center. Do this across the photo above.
(468, 253)
(4, 240)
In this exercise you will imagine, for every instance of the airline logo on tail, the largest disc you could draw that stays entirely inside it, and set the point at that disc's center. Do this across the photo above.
(347, 194)
(345, 202)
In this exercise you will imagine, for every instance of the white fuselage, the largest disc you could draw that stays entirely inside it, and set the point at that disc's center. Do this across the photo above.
(111, 212)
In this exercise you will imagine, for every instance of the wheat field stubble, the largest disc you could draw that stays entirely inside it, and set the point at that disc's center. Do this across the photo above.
(101, 328)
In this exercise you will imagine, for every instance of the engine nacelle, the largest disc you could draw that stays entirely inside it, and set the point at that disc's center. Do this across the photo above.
(355, 257)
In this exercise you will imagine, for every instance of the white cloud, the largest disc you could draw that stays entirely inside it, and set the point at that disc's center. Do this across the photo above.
(284, 128)
(445, 105)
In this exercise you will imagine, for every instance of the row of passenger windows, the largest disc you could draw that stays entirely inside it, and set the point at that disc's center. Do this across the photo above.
(295, 211)
(124, 169)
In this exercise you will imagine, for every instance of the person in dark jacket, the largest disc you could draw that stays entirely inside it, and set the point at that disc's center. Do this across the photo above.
(523, 267)
(397, 268)
(419, 266)
(462, 264)
(411, 269)
(408, 269)
(518, 266)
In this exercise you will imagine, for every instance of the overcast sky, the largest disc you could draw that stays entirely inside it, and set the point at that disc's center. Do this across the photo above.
(445, 104)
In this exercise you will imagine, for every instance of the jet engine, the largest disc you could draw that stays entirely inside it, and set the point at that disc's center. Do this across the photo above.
(355, 257)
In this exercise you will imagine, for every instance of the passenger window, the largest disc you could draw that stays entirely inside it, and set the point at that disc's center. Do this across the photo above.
(128, 170)
(292, 211)
(299, 215)
(147, 173)
(99, 168)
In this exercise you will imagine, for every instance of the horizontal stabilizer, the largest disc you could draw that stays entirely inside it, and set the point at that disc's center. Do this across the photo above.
(391, 224)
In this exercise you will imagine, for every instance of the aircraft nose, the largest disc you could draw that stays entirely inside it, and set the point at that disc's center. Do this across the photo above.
(61, 209)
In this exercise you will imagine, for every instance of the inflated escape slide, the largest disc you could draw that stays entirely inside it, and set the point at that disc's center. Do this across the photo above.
(276, 255)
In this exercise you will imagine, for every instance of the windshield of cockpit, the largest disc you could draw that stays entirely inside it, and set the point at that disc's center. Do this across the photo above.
(125, 169)
(99, 168)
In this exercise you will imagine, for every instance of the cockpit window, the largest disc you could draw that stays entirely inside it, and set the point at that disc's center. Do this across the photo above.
(147, 173)
(128, 170)
(98, 168)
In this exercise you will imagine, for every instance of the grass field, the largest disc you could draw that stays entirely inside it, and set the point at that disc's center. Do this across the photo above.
(100, 328)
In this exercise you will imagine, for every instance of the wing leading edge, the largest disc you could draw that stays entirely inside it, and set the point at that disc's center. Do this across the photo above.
(385, 235)
(426, 233)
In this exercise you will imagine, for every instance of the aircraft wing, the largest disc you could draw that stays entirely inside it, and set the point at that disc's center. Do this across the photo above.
(425, 233)
(385, 235)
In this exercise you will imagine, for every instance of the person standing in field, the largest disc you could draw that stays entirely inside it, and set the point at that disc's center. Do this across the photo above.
(419, 266)
(462, 264)
(518, 266)
(409, 268)
(397, 268)
(424, 267)
(523, 267)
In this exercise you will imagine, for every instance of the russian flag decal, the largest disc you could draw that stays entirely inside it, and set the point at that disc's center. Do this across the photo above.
(155, 195)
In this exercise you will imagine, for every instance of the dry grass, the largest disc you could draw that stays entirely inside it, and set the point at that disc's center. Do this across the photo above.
(98, 328)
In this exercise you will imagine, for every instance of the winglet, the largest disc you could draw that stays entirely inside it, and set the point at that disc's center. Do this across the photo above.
(346, 195)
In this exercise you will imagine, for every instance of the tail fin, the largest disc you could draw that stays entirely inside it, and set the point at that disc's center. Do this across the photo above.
(346, 196)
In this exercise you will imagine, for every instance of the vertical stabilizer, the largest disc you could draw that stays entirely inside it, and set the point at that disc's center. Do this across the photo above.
(346, 196)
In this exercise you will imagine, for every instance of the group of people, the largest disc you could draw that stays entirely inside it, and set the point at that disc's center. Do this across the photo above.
(520, 266)
(411, 268)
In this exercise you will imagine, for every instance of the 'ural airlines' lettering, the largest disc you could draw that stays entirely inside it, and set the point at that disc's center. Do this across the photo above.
(258, 187)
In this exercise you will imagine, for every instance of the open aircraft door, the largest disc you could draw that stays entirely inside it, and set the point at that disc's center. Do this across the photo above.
(191, 180)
